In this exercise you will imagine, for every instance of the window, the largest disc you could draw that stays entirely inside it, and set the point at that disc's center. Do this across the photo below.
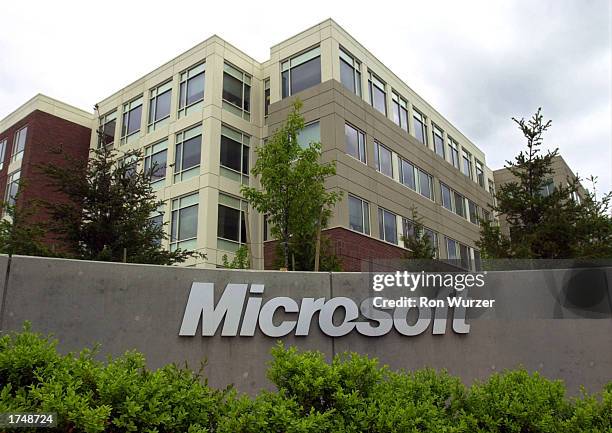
(453, 149)
(486, 215)
(400, 111)
(130, 166)
(420, 126)
(452, 252)
(132, 116)
(266, 96)
(267, 228)
(157, 217)
(547, 188)
(378, 97)
(459, 204)
(191, 89)
(479, 173)
(231, 225)
(184, 223)
(438, 137)
(464, 255)
(350, 72)
(301, 72)
(407, 176)
(311, 133)
(19, 143)
(355, 142)
(187, 154)
(425, 184)
(474, 212)
(467, 164)
(446, 196)
(359, 215)
(387, 225)
(2, 152)
(234, 155)
(409, 229)
(492, 190)
(108, 124)
(159, 106)
(236, 92)
(433, 239)
(155, 161)
(12, 187)
(382, 157)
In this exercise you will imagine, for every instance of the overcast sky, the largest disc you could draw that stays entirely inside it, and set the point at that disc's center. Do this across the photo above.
(478, 62)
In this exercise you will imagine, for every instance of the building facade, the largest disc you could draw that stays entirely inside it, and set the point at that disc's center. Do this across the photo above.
(199, 117)
(30, 136)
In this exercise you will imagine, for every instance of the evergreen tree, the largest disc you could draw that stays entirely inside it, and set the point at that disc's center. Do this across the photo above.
(108, 214)
(293, 193)
(545, 226)
(417, 242)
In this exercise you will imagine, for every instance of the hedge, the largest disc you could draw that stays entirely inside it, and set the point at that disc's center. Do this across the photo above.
(352, 394)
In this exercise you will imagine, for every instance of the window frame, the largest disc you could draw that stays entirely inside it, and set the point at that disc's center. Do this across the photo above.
(244, 140)
(381, 225)
(13, 178)
(418, 116)
(455, 157)
(176, 243)
(355, 65)
(17, 153)
(375, 81)
(186, 77)
(246, 80)
(154, 94)
(180, 173)
(466, 156)
(126, 115)
(289, 66)
(3, 145)
(480, 177)
(401, 104)
(155, 149)
(438, 145)
(229, 201)
(360, 135)
(106, 119)
(267, 97)
(365, 215)
(377, 159)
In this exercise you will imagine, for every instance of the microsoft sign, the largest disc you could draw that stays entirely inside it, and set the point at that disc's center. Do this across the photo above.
(242, 315)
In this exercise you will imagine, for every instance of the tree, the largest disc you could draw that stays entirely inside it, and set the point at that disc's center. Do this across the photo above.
(109, 208)
(293, 193)
(240, 260)
(418, 243)
(20, 233)
(553, 226)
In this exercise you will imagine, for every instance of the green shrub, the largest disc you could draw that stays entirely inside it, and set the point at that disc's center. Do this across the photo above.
(350, 394)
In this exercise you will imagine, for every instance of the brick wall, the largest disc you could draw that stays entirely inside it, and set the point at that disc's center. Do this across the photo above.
(356, 251)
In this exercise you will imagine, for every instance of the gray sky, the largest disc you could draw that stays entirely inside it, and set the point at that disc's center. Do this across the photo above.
(478, 62)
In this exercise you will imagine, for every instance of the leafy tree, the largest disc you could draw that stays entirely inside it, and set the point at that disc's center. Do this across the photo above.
(108, 214)
(553, 226)
(418, 243)
(240, 260)
(293, 193)
(20, 233)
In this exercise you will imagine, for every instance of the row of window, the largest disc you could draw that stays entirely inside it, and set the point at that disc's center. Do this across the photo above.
(359, 220)
(350, 76)
(19, 141)
(409, 174)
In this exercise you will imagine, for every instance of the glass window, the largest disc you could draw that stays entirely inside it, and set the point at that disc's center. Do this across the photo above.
(433, 239)
(420, 126)
(108, 124)
(459, 204)
(155, 161)
(486, 215)
(236, 91)
(231, 225)
(547, 188)
(191, 89)
(453, 149)
(157, 217)
(266, 96)
(425, 184)
(446, 196)
(19, 143)
(438, 137)
(159, 105)
(187, 154)
(378, 97)
(382, 157)
(184, 223)
(234, 154)
(301, 72)
(359, 215)
(310, 134)
(473, 209)
(451, 249)
(387, 225)
(464, 254)
(12, 187)
(467, 164)
(492, 190)
(132, 116)
(350, 74)
(407, 176)
(480, 173)
(355, 142)
(2, 152)
(400, 111)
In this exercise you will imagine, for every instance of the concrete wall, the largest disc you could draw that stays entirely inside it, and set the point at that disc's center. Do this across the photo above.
(557, 322)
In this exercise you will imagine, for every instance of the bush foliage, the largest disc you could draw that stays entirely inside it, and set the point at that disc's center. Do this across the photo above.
(350, 394)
